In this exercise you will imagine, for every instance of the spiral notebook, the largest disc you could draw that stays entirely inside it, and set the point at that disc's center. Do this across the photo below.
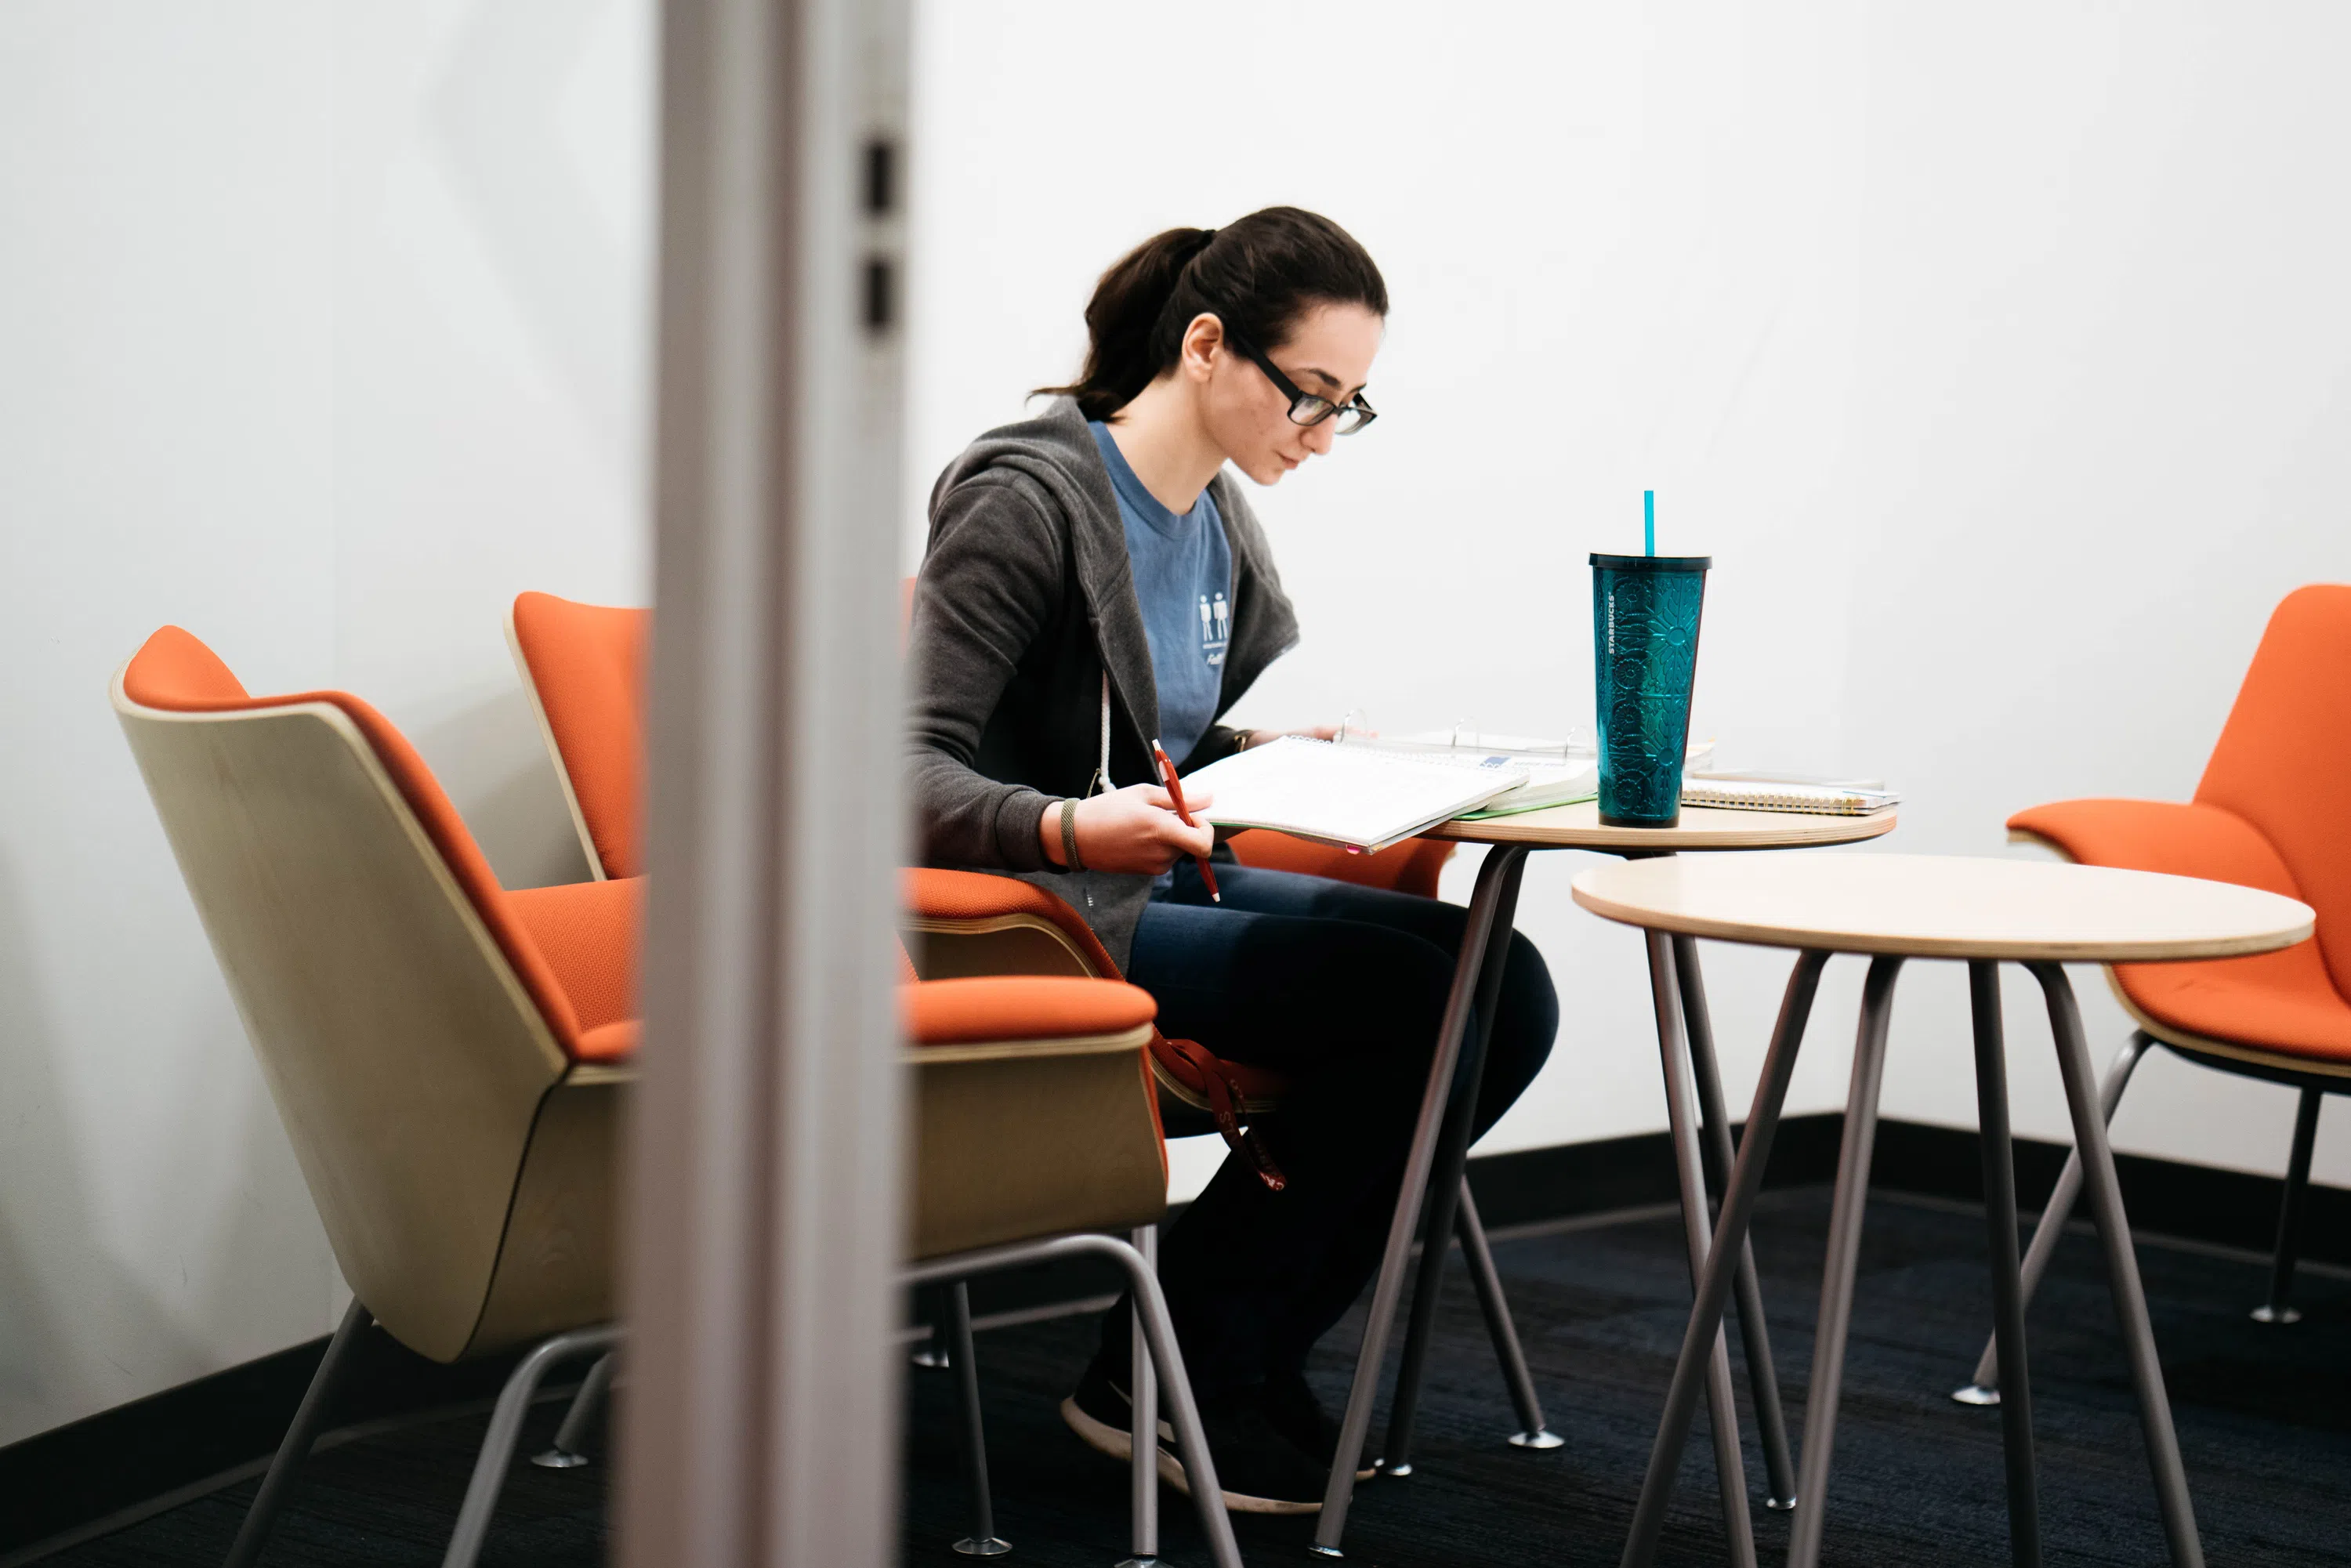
(1787, 793)
(1356, 796)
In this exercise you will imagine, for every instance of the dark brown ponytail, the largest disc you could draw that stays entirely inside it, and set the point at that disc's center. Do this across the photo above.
(1257, 274)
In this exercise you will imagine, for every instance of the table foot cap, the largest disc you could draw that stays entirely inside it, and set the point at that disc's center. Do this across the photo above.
(1781, 1504)
(1138, 1563)
(2280, 1315)
(1541, 1437)
(1319, 1550)
(970, 1546)
(558, 1460)
(1976, 1393)
(1398, 1471)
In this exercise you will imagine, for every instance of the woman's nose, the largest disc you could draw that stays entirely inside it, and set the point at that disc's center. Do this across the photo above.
(1320, 436)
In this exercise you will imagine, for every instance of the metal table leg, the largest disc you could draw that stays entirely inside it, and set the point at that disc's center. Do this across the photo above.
(1497, 877)
(1844, 1255)
(1984, 1389)
(1681, 1116)
(1714, 1282)
(1446, 1181)
(2007, 1282)
(2122, 1267)
(1143, 1428)
(1754, 1335)
(1531, 1433)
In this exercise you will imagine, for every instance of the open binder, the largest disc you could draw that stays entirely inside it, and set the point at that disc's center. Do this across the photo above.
(1360, 797)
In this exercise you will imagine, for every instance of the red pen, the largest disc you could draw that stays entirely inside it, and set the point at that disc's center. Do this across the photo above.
(1183, 814)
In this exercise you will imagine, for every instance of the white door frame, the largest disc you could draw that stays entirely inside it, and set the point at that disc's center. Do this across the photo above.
(764, 1211)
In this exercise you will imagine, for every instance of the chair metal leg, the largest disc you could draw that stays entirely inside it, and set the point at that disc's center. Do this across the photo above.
(983, 1541)
(1754, 1335)
(1183, 1413)
(505, 1429)
(1142, 1397)
(1714, 1283)
(1497, 875)
(1447, 1182)
(565, 1454)
(2122, 1267)
(1159, 1333)
(1846, 1210)
(1531, 1432)
(2277, 1310)
(1681, 1117)
(931, 1354)
(2007, 1284)
(1984, 1387)
(308, 1417)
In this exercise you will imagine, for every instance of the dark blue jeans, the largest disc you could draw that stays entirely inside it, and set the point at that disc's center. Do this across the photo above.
(1341, 988)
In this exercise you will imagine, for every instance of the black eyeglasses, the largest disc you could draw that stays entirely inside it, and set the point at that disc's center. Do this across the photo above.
(1305, 408)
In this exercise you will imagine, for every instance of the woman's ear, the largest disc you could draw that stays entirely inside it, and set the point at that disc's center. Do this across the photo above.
(1203, 340)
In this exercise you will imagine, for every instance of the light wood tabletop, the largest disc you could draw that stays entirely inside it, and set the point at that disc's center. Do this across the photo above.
(1578, 826)
(1945, 906)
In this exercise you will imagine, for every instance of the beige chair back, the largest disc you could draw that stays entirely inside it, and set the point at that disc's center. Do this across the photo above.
(460, 1161)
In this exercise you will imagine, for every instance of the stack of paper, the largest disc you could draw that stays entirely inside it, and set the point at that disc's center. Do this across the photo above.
(1558, 773)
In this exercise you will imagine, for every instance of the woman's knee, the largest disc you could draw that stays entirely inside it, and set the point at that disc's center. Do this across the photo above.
(1526, 1017)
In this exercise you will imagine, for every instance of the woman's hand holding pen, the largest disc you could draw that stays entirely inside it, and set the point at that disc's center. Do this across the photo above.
(1131, 829)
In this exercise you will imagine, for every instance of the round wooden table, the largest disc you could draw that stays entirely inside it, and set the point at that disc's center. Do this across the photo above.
(1440, 1146)
(1985, 912)
(1579, 827)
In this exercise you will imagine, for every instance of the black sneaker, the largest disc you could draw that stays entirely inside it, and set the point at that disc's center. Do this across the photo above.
(1101, 1415)
(1297, 1416)
(1259, 1470)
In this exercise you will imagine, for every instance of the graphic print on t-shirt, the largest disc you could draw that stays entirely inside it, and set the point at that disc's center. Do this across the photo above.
(1182, 567)
(1215, 628)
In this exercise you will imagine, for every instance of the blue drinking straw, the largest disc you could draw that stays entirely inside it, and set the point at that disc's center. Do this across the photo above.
(1648, 522)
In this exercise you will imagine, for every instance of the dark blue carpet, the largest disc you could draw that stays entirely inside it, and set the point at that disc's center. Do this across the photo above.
(2264, 1417)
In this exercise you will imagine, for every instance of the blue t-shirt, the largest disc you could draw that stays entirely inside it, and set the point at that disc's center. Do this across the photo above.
(1183, 571)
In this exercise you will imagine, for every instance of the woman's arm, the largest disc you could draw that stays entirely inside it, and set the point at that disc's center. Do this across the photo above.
(992, 578)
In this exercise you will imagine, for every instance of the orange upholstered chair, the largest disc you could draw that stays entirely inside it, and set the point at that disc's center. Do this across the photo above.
(448, 1056)
(583, 666)
(2272, 812)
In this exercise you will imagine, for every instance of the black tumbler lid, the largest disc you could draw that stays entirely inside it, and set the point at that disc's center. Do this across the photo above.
(1653, 562)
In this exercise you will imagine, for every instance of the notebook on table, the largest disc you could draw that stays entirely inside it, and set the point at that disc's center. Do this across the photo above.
(1553, 776)
(1559, 773)
(1359, 797)
(1787, 793)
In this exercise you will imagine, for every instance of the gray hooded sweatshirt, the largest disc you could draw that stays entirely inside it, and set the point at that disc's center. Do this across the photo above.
(1024, 605)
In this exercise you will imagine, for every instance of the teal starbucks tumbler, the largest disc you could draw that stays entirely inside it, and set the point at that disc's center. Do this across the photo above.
(1645, 615)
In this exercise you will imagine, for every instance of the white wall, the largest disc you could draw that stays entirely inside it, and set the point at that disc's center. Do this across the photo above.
(1998, 355)
(322, 332)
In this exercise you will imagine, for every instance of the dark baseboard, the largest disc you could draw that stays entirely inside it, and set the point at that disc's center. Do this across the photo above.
(115, 1460)
(2165, 1197)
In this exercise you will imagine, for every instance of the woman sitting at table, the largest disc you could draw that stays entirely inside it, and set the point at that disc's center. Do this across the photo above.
(1094, 579)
